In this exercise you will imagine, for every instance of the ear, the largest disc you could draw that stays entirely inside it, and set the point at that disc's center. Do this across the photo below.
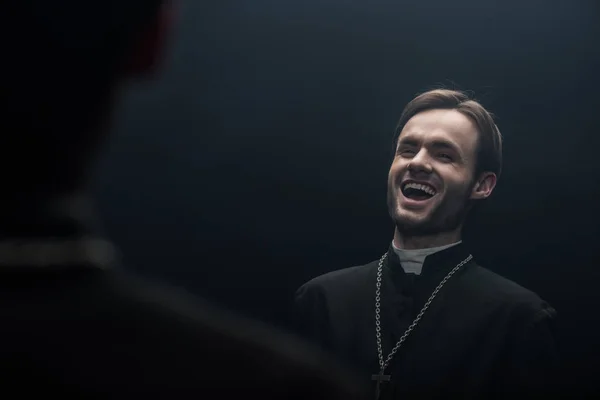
(148, 47)
(484, 186)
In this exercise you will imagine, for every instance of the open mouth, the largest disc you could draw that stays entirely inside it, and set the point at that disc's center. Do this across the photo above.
(418, 191)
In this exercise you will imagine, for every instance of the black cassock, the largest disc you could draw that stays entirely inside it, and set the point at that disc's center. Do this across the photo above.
(483, 337)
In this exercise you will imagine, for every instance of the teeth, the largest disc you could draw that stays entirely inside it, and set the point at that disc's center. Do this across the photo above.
(426, 188)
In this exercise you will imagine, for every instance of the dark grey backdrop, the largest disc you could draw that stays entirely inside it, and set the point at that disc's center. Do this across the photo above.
(260, 158)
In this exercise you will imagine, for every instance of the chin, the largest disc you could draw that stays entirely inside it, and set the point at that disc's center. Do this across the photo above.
(409, 216)
(412, 225)
(411, 220)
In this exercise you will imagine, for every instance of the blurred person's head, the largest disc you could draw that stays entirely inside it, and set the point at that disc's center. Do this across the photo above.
(64, 62)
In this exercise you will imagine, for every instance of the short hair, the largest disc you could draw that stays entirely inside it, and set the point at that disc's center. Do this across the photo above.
(489, 144)
(61, 59)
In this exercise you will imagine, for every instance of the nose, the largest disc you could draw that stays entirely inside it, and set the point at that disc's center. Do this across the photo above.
(420, 162)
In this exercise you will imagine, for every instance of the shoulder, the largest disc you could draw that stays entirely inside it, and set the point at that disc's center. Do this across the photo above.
(164, 339)
(199, 332)
(493, 288)
(345, 279)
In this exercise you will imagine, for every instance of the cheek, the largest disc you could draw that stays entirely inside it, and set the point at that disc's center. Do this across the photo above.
(391, 176)
(458, 191)
(455, 178)
(395, 169)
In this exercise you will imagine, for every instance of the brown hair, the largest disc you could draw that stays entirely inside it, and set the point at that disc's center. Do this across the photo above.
(489, 148)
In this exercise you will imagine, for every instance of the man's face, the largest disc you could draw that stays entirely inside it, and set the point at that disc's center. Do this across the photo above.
(431, 179)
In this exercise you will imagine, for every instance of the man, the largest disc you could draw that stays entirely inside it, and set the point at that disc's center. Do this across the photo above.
(73, 325)
(425, 321)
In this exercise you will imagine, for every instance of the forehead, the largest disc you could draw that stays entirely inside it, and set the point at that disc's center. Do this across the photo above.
(442, 126)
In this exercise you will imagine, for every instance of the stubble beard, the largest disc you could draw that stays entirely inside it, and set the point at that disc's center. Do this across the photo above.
(447, 216)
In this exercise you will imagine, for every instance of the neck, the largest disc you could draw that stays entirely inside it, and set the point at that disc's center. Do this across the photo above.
(407, 242)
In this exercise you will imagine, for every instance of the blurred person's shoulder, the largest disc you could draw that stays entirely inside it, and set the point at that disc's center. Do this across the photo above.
(244, 353)
(116, 332)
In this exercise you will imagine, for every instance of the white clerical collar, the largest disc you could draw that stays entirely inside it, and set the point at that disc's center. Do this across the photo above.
(412, 260)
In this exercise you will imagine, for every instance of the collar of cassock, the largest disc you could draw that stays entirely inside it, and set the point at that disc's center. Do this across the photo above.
(411, 291)
(50, 234)
(439, 262)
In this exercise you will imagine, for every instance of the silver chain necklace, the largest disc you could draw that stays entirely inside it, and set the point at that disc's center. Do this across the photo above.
(383, 364)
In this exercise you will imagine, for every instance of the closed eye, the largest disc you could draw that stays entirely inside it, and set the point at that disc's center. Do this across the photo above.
(445, 156)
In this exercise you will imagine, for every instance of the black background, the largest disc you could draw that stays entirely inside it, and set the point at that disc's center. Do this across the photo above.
(259, 159)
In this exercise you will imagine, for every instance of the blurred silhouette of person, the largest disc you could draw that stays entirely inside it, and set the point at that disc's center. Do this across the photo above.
(425, 320)
(73, 323)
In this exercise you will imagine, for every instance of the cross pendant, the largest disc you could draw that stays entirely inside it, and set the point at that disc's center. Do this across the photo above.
(379, 378)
